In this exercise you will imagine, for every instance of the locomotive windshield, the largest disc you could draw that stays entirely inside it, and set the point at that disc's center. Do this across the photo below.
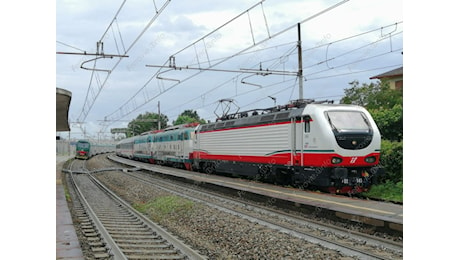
(83, 145)
(348, 121)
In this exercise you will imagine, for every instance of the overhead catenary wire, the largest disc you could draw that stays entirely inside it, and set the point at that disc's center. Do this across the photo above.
(125, 105)
(307, 75)
(212, 61)
(65, 44)
(290, 52)
(319, 46)
(89, 103)
(292, 88)
(113, 20)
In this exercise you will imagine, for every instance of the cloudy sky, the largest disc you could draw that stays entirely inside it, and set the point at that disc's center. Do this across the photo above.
(213, 46)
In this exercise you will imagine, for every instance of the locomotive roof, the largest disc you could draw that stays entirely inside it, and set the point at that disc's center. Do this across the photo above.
(277, 114)
(269, 115)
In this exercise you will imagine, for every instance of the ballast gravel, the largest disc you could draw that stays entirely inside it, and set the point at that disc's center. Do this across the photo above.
(216, 234)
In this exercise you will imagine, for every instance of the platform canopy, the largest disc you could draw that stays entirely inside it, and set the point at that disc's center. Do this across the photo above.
(63, 98)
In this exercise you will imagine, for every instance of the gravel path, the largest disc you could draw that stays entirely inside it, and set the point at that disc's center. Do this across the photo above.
(214, 233)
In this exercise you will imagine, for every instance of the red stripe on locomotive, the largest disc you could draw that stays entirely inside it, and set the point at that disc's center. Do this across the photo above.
(309, 159)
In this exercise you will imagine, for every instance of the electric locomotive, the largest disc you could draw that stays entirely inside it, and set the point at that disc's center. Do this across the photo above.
(86, 149)
(331, 147)
(309, 144)
(83, 149)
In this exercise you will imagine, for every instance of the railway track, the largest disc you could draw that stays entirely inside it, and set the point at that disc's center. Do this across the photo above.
(348, 242)
(113, 229)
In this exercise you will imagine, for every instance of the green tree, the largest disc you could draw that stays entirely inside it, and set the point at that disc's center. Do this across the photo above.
(390, 122)
(359, 95)
(188, 116)
(372, 96)
(392, 159)
(146, 122)
(384, 104)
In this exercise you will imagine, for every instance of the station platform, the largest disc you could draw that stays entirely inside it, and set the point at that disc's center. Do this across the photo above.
(376, 213)
(67, 244)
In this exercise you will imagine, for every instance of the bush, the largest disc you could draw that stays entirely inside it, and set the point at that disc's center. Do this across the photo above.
(391, 158)
(390, 122)
(388, 191)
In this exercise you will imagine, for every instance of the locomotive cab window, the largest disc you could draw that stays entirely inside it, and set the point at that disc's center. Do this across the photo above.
(348, 121)
(306, 121)
(83, 145)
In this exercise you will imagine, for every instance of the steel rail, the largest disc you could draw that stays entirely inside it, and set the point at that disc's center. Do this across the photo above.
(110, 243)
(178, 244)
(113, 245)
(346, 249)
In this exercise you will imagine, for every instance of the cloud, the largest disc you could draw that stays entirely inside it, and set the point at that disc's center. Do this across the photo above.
(131, 84)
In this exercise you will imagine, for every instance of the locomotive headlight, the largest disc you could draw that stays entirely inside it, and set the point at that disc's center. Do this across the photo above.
(336, 160)
(370, 159)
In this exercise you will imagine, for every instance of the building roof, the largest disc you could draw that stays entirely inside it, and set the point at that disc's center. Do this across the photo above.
(389, 74)
(63, 98)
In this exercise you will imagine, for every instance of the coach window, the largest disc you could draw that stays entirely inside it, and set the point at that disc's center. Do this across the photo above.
(306, 121)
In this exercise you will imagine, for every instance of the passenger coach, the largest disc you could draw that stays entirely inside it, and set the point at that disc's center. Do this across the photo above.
(125, 148)
(173, 146)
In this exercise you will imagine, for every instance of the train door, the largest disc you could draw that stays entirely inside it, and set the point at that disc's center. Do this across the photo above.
(305, 136)
(149, 151)
(182, 140)
(300, 138)
(293, 141)
(186, 143)
(300, 130)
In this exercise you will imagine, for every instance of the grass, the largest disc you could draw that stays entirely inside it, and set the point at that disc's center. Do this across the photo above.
(387, 191)
(165, 206)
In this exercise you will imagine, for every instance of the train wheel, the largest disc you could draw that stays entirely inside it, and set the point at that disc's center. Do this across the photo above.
(178, 165)
(210, 168)
(283, 177)
(265, 173)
